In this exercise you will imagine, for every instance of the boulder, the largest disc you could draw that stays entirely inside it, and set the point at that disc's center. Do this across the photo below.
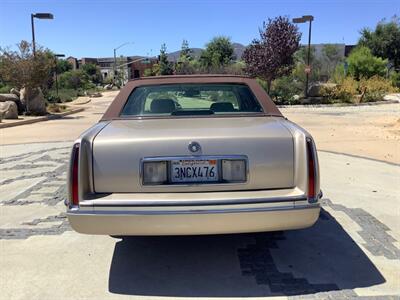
(14, 98)
(22, 95)
(8, 110)
(8, 97)
(34, 101)
(95, 95)
(395, 97)
(15, 92)
(316, 89)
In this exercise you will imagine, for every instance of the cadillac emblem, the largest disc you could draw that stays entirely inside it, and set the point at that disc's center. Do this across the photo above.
(194, 147)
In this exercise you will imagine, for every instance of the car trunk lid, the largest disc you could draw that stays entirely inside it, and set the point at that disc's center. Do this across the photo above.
(119, 150)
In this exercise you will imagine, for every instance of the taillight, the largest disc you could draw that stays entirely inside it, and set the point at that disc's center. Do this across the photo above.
(311, 170)
(75, 174)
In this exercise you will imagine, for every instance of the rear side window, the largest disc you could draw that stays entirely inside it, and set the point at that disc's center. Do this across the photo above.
(191, 99)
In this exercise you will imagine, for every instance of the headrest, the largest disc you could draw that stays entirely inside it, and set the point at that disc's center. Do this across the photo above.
(222, 107)
(160, 106)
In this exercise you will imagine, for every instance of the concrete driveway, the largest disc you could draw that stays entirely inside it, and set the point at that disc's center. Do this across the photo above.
(352, 251)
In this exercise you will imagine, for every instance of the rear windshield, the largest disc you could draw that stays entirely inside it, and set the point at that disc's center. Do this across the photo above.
(191, 99)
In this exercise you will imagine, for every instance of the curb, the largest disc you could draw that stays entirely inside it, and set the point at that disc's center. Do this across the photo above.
(80, 103)
(341, 104)
(43, 118)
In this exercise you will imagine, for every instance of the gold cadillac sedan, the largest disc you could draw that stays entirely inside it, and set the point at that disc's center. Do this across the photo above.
(188, 155)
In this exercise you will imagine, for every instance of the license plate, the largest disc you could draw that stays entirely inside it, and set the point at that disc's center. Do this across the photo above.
(194, 171)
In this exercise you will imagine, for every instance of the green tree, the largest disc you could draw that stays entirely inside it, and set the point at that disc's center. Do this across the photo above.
(165, 67)
(183, 65)
(186, 52)
(63, 66)
(384, 41)
(218, 54)
(75, 79)
(362, 63)
(21, 69)
(93, 72)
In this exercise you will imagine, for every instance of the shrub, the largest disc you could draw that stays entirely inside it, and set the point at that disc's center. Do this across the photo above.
(4, 89)
(375, 88)
(148, 72)
(56, 108)
(236, 68)
(284, 90)
(363, 64)
(93, 73)
(64, 95)
(339, 74)
(344, 92)
(395, 78)
(74, 79)
(21, 69)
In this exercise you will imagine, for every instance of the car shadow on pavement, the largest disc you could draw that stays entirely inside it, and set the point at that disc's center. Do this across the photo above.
(322, 258)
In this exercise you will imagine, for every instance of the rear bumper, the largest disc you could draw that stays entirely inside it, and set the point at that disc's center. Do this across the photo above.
(193, 220)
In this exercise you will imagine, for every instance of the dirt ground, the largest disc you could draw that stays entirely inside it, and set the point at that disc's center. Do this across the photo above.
(367, 131)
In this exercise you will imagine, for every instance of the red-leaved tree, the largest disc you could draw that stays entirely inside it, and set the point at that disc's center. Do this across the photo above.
(271, 56)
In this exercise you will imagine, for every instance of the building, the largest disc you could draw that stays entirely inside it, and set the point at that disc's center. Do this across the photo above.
(107, 65)
(138, 64)
(131, 66)
(73, 61)
(343, 49)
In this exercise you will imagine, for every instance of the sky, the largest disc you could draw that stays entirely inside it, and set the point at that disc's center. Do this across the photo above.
(94, 28)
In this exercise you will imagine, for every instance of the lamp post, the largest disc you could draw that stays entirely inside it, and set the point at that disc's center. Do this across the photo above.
(55, 59)
(115, 57)
(46, 16)
(304, 19)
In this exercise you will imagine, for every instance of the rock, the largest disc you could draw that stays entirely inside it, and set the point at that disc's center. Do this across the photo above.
(316, 89)
(14, 98)
(9, 110)
(15, 92)
(95, 95)
(395, 97)
(8, 97)
(296, 97)
(108, 86)
(33, 101)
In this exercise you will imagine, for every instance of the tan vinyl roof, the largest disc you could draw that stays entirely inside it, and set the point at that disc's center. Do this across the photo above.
(114, 110)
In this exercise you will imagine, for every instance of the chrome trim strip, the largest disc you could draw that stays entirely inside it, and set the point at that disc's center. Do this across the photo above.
(194, 211)
(204, 202)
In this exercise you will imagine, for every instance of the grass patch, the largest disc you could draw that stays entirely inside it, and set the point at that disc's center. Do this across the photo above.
(64, 95)
(56, 108)
(5, 89)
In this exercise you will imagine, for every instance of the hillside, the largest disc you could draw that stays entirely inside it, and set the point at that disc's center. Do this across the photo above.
(237, 52)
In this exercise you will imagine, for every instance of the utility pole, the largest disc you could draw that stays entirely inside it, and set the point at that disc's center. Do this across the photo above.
(33, 35)
(304, 19)
(46, 16)
(55, 58)
(115, 58)
(308, 56)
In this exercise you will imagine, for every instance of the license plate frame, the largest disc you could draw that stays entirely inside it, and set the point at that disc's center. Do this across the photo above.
(194, 171)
